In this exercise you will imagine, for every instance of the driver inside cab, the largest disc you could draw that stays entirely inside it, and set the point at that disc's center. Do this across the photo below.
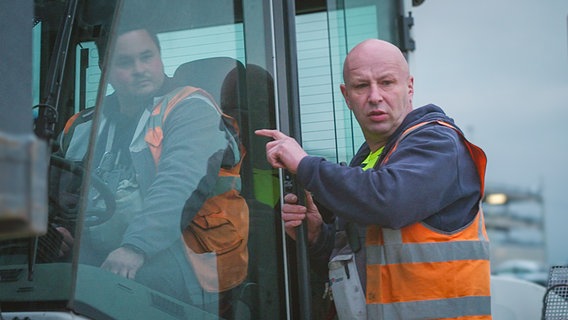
(171, 158)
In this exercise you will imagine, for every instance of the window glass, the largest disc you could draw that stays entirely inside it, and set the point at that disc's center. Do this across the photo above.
(177, 206)
(323, 40)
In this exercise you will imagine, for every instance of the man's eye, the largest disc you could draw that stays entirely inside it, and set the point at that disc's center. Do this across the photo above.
(147, 57)
(123, 63)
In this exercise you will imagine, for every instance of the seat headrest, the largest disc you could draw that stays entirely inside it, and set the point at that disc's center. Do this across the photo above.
(208, 74)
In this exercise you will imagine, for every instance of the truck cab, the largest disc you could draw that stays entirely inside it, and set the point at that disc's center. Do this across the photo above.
(266, 64)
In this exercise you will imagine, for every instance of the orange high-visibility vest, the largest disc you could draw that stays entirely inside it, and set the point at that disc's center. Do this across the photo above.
(418, 272)
(216, 239)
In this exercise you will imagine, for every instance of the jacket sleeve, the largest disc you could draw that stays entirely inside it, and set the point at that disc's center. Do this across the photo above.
(320, 251)
(195, 140)
(430, 171)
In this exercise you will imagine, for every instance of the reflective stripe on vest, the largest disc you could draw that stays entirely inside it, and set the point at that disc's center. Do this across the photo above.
(419, 272)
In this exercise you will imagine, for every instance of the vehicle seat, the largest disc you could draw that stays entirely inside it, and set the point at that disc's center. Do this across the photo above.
(224, 79)
(211, 74)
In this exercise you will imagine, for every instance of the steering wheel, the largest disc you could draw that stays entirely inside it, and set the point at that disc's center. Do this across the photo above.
(93, 216)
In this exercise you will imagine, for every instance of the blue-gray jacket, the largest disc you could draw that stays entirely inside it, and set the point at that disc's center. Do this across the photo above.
(430, 178)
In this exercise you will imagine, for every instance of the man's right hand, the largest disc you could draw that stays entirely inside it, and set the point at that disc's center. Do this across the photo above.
(284, 151)
(293, 215)
(124, 262)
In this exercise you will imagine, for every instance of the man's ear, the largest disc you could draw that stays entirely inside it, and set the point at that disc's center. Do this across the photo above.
(410, 90)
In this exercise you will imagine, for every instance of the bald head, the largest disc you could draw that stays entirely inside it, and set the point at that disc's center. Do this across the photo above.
(378, 89)
(373, 52)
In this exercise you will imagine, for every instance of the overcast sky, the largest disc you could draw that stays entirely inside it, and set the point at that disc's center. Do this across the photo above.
(500, 69)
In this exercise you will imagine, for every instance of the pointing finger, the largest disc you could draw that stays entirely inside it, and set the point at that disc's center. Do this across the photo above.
(274, 134)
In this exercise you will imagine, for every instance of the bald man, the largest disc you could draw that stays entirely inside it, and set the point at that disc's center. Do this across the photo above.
(407, 238)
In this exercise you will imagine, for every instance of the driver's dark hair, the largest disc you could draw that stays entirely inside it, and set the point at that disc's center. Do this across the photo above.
(103, 41)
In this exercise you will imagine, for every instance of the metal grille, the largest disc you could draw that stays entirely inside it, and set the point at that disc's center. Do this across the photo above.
(555, 302)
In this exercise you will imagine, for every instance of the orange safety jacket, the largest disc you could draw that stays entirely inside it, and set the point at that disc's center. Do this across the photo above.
(216, 238)
(418, 272)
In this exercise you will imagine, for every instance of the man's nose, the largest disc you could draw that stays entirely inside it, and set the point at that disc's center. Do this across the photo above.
(375, 94)
(138, 66)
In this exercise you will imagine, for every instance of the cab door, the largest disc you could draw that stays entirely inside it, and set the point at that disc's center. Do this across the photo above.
(225, 49)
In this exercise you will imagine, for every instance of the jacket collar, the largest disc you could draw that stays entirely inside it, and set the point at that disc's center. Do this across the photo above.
(111, 107)
(428, 112)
